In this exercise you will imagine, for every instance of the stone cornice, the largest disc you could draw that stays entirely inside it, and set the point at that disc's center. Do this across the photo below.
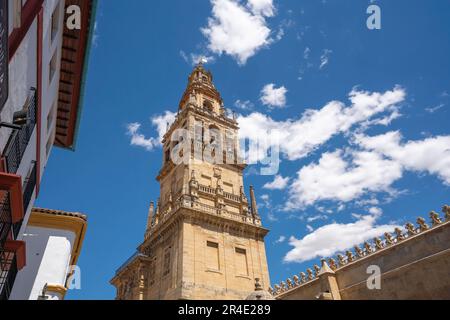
(193, 215)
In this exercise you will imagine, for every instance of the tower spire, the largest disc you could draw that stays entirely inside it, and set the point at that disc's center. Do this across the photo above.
(200, 83)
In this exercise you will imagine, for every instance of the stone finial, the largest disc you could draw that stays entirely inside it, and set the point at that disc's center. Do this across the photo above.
(350, 256)
(302, 277)
(283, 286)
(316, 270)
(422, 224)
(410, 228)
(341, 260)
(368, 248)
(271, 291)
(260, 293)
(157, 214)
(389, 239)
(310, 274)
(359, 252)
(434, 216)
(254, 206)
(290, 284)
(332, 264)
(258, 286)
(277, 289)
(151, 212)
(399, 234)
(446, 211)
(378, 243)
(296, 280)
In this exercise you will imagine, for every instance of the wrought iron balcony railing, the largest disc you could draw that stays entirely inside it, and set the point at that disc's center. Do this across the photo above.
(28, 189)
(8, 273)
(19, 139)
(5, 218)
(30, 184)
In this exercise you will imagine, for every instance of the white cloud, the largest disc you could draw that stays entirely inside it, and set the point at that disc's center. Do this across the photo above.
(161, 123)
(336, 237)
(138, 139)
(237, 30)
(383, 159)
(334, 178)
(244, 105)
(273, 97)
(197, 58)
(325, 58)
(279, 183)
(317, 218)
(431, 155)
(281, 239)
(435, 109)
(306, 53)
(262, 7)
(194, 58)
(298, 138)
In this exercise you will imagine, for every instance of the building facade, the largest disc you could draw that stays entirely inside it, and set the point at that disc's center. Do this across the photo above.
(42, 78)
(204, 238)
(54, 240)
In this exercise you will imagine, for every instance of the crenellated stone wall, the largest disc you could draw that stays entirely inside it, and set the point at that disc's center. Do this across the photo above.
(414, 264)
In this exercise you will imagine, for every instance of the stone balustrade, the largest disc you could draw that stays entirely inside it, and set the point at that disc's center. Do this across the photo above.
(186, 202)
(211, 191)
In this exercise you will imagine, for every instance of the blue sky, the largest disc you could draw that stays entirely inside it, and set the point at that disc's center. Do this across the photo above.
(349, 170)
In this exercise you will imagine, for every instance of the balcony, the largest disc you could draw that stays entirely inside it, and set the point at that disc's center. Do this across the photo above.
(19, 139)
(8, 273)
(5, 218)
(28, 190)
(11, 206)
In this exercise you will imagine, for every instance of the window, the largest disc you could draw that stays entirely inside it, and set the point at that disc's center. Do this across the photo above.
(212, 256)
(55, 22)
(207, 105)
(166, 267)
(52, 66)
(241, 262)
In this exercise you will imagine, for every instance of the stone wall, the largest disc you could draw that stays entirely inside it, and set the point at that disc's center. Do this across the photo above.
(414, 265)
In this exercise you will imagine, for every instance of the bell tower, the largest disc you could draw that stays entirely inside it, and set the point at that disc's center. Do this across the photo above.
(204, 238)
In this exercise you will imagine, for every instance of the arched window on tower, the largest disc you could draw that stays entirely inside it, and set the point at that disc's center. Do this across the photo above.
(208, 106)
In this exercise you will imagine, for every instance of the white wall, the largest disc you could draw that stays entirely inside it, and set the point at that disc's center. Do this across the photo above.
(23, 76)
(48, 258)
(50, 89)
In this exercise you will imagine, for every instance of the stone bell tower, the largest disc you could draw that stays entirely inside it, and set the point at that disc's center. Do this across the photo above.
(204, 238)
